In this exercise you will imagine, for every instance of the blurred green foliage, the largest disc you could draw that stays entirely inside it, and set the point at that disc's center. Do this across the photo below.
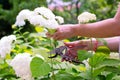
(9, 10)
(102, 8)
(101, 67)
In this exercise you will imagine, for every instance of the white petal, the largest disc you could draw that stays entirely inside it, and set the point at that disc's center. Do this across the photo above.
(45, 12)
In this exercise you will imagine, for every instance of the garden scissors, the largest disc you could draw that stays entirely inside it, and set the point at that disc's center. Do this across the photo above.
(64, 53)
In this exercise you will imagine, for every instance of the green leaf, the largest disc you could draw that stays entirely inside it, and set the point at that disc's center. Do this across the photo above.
(107, 65)
(6, 71)
(86, 75)
(110, 76)
(96, 59)
(39, 67)
(110, 62)
(78, 78)
(117, 77)
(100, 77)
(64, 76)
(26, 33)
(112, 69)
(83, 55)
(103, 49)
(98, 71)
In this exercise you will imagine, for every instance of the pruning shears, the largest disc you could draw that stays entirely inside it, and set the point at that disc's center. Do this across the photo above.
(58, 51)
(62, 51)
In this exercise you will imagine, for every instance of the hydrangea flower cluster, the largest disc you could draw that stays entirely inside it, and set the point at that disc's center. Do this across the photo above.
(5, 45)
(40, 16)
(21, 65)
(86, 17)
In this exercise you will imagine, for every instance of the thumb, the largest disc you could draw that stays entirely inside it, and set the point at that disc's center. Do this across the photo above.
(69, 44)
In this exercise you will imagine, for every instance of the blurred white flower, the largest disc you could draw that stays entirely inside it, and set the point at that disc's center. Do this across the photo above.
(51, 24)
(5, 45)
(45, 12)
(86, 17)
(114, 55)
(21, 65)
(20, 23)
(59, 19)
(41, 16)
(22, 16)
(37, 20)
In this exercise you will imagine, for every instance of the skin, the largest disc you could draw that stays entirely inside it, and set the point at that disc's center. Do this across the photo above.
(112, 44)
(101, 29)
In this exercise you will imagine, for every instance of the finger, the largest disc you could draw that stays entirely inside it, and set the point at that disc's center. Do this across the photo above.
(49, 35)
(69, 44)
(56, 36)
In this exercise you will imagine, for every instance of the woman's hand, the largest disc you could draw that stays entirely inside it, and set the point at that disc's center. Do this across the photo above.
(79, 45)
(63, 32)
(73, 47)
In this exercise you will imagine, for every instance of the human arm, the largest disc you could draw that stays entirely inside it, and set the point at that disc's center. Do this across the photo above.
(112, 44)
(73, 47)
(101, 29)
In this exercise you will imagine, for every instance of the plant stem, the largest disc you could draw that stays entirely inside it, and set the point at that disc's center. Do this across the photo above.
(53, 75)
(92, 69)
(53, 47)
(92, 77)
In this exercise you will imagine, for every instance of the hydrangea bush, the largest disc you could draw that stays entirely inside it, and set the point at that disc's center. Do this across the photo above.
(6, 45)
(24, 56)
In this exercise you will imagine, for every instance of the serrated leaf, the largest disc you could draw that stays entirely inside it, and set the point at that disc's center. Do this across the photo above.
(64, 76)
(97, 71)
(83, 55)
(96, 59)
(110, 62)
(39, 67)
(117, 77)
(110, 76)
(112, 69)
(86, 75)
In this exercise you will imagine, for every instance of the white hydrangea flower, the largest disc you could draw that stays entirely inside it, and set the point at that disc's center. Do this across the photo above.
(59, 19)
(41, 16)
(45, 12)
(5, 45)
(20, 23)
(22, 16)
(37, 20)
(114, 55)
(21, 65)
(86, 17)
(51, 24)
